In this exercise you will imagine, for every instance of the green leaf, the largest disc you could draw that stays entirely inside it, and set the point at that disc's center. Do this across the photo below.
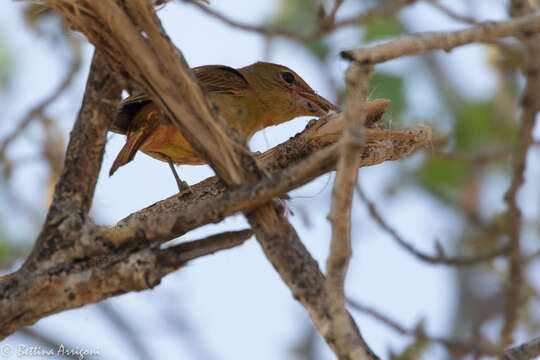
(388, 87)
(295, 15)
(479, 126)
(382, 28)
(319, 49)
(444, 176)
(300, 16)
(473, 124)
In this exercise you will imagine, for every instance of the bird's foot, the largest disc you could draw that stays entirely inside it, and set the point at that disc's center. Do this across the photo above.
(184, 188)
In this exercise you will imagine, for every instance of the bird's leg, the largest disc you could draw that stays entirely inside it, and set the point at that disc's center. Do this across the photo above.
(182, 185)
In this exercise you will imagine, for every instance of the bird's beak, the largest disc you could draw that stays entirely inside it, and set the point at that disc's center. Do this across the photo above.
(310, 103)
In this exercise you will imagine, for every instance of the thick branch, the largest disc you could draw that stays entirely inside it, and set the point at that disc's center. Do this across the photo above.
(301, 272)
(28, 297)
(211, 201)
(75, 189)
(87, 141)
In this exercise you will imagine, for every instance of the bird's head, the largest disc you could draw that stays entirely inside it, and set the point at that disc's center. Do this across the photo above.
(284, 93)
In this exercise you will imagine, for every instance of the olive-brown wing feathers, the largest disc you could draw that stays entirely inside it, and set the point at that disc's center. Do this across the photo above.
(222, 79)
(141, 127)
(212, 78)
(126, 111)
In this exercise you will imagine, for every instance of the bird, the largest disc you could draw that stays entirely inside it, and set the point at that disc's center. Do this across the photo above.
(249, 99)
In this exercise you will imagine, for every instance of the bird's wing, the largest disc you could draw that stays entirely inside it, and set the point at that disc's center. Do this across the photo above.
(222, 79)
(213, 78)
(126, 110)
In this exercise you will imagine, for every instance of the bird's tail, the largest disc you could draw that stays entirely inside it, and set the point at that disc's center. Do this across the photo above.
(133, 143)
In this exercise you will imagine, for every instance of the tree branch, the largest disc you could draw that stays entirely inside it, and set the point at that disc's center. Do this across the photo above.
(37, 110)
(75, 189)
(531, 106)
(527, 351)
(328, 25)
(28, 297)
(340, 214)
(292, 164)
(484, 32)
(454, 347)
(302, 274)
(464, 260)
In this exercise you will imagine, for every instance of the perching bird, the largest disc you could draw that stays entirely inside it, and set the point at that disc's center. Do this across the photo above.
(249, 99)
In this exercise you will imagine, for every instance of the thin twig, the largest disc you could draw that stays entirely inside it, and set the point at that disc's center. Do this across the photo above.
(74, 190)
(531, 106)
(455, 347)
(485, 32)
(328, 27)
(478, 159)
(451, 13)
(340, 213)
(386, 9)
(521, 8)
(527, 351)
(469, 260)
(96, 278)
(298, 160)
(37, 110)
(173, 257)
(330, 20)
(531, 257)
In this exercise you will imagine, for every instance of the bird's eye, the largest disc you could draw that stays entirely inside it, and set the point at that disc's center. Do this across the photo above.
(288, 77)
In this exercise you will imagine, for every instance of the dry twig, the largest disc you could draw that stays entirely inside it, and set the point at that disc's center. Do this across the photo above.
(37, 111)
(293, 163)
(451, 13)
(340, 213)
(455, 347)
(531, 106)
(328, 24)
(442, 259)
(485, 32)
(527, 351)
